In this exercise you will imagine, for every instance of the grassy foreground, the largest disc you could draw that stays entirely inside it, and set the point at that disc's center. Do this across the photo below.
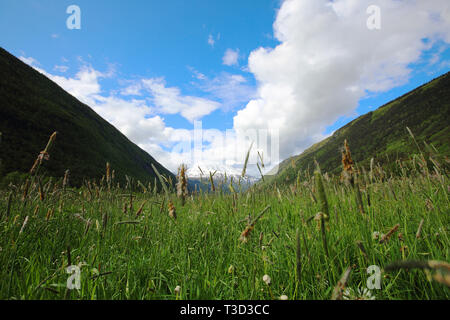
(128, 247)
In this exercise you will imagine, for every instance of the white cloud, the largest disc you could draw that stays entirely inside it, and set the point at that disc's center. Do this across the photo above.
(232, 90)
(328, 59)
(198, 75)
(170, 101)
(211, 40)
(84, 86)
(61, 69)
(132, 90)
(29, 60)
(231, 57)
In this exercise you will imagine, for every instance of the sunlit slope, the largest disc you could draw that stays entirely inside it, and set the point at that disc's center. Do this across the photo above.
(382, 133)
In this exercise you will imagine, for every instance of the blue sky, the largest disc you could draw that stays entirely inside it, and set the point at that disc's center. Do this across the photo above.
(141, 38)
(181, 46)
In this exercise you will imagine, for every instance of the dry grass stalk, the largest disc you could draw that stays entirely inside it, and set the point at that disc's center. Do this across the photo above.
(321, 195)
(141, 208)
(245, 234)
(127, 222)
(246, 161)
(361, 247)
(66, 179)
(349, 174)
(260, 171)
(144, 188)
(182, 191)
(108, 174)
(347, 163)
(88, 225)
(49, 214)
(371, 169)
(161, 180)
(338, 291)
(43, 155)
(441, 269)
(24, 224)
(232, 188)
(235, 207)
(80, 217)
(88, 185)
(211, 180)
(25, 190)
(386, 237)
(412, 136)
(261, 159)
(298, 182)
(130, 207)
(261, 237)
(41, 191)
(36, 209)
(172, 211)
(419, 230)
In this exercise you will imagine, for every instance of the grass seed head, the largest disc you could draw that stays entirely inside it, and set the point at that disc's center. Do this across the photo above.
(347, 164)
(172, 211)
(182, 191)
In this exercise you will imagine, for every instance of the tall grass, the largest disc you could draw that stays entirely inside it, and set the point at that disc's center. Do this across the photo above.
(125, 254)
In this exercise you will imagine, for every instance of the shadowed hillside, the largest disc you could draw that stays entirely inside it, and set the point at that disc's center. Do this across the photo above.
(32, 107)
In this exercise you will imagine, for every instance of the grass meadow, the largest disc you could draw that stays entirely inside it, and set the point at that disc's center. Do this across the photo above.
(314, 239)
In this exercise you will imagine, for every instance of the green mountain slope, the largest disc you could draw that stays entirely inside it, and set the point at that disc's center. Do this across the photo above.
(382, 134)
(32, 107)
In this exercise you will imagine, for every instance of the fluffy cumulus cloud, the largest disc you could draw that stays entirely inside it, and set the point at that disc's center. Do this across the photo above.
(328, 59)
(84, 85)
(230, 57)
(170, 101)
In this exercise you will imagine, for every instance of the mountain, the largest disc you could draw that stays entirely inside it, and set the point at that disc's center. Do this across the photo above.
(202, 170)
(382, 134)
(199, 178)
(32, 107)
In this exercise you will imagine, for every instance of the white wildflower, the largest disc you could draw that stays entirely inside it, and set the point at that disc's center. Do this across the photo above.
(177, 290)
(358, 294)
(267, 279)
